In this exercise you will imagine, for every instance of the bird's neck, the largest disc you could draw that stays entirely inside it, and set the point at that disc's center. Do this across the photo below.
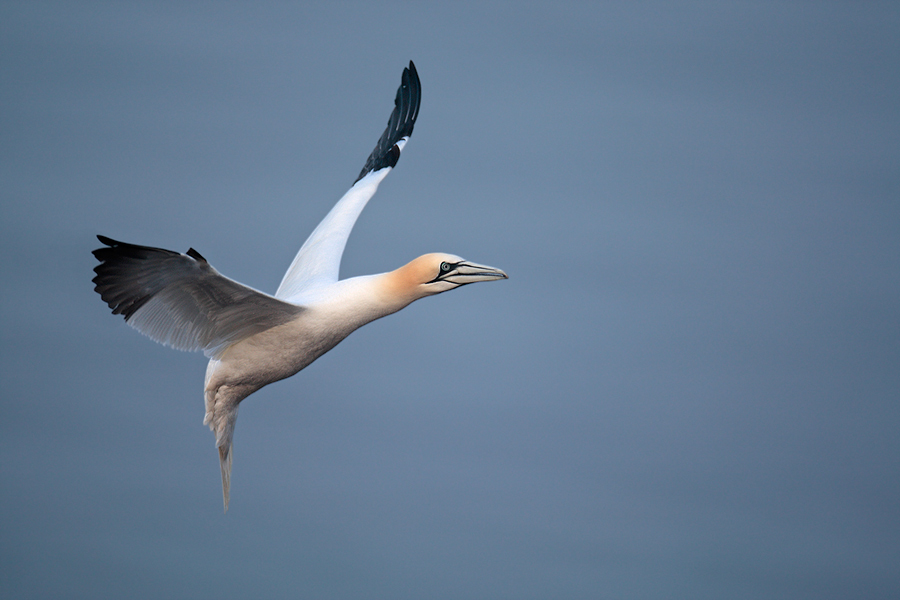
(401, 287)
(360, 300)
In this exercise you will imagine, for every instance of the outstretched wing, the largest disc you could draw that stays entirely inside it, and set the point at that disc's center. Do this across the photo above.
(319, 260)
(180, 300)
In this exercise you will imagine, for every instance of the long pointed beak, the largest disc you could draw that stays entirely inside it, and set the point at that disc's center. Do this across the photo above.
(466, 272)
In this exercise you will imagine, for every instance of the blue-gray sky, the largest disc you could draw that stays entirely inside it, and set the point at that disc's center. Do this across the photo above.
(688, 387)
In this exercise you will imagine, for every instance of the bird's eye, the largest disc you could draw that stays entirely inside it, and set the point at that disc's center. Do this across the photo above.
(445, 267)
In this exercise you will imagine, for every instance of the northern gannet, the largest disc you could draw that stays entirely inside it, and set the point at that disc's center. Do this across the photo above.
(253, 339)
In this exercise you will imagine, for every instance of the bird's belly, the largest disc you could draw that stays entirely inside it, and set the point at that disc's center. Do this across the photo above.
(275, 354)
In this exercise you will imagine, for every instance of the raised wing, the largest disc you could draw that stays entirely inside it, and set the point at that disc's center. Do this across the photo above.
(181, 301)
(319, 260)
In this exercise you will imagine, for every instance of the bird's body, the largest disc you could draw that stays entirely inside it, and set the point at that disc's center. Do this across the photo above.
(254, 339)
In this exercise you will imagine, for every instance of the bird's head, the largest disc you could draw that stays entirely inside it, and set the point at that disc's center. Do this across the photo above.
(434, 273)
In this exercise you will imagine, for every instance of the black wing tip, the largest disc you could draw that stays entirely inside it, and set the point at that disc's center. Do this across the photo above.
(108, 272)
(124, 249)
(410, 81)
(400, 124)
(117, 261)
(411, 78)
(195, 255)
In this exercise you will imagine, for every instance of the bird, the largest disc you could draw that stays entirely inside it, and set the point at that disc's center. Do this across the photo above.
(252, 338)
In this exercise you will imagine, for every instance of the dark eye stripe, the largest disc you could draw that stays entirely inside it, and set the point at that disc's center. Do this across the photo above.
(445, 269)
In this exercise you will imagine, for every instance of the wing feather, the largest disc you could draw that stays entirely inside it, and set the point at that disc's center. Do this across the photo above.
(400, 124)
(180, 300)
(318, 262)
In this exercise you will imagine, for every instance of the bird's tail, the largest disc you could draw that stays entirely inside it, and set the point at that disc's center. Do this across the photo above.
(225, 457)
(221, 415)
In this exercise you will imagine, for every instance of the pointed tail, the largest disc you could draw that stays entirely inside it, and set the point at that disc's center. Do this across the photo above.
(221, 416)
(225, 456)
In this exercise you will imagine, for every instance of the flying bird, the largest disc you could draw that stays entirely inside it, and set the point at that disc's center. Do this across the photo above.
(252, 338)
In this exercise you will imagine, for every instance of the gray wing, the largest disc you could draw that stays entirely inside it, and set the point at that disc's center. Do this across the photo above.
(180, 300)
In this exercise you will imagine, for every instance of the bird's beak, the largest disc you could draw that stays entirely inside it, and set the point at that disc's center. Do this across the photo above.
(466, 272)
